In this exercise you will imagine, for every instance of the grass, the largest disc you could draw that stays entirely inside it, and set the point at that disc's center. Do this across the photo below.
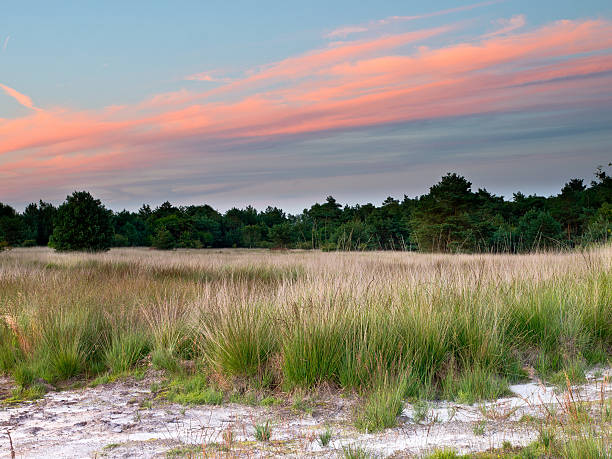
(126, 350)
(356, 452)
(193, 390)
(459, 327)
(185, 451)
(381, 407)
(263, 431)
(325, 437)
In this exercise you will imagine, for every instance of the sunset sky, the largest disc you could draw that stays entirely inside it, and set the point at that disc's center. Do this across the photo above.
(283, 103)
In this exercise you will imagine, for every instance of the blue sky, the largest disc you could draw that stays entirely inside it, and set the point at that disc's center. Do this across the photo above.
(236, 103)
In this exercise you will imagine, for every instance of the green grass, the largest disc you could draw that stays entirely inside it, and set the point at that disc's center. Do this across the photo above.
(444, 454)
(164, 359)
(432, 326)
(263, 431)
(240, 341)
(23, 394)
(193, 390)
(325, 437)
(356, 452)
(126, 350)
(185, 451)
(382, 406)
(473, 385)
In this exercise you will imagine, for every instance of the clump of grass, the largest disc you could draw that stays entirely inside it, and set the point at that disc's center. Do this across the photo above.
(573, 371)
(125, 350)
(474, 384)
(586, 447)
(382, 406)
(356, 452)
(270, 401)
(163, 359)
(239, 341)
(185, 451)
(479, 428)
(325, 437)
(10, 353)
(22, 394)
(444, 454)
(263, 431)
(312, 350)
(193, 390)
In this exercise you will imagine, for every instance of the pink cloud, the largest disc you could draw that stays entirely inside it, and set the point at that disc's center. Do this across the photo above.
(354, 84)
(22, 99)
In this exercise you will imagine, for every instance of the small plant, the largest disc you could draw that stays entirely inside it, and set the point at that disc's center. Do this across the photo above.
(301, 402)
(420, 410)
(325, 437)
(547, 437)
(228, 438)
(443, 454)
(479, 427)
(270, 401)
(356, 452)
(263, 432)
(184, 451)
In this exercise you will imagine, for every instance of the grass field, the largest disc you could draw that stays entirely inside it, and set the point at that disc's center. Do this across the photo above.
(385, 325)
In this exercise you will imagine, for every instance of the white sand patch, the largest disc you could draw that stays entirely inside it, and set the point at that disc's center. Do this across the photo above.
(110, 420)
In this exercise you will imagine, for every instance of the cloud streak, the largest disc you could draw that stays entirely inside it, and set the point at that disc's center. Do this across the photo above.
(21, 99)
(6, 42)
(343, 32)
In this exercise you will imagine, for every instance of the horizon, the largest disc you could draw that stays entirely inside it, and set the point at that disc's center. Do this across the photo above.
(236, 105)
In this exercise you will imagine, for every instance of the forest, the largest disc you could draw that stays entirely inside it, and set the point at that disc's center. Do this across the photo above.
(450, 218)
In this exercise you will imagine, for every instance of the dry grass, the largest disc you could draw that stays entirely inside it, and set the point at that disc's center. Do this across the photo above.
(452, 325)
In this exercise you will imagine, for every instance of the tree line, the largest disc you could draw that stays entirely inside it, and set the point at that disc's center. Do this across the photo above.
(451, 217)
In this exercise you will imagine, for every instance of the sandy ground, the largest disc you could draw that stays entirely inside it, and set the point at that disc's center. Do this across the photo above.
(123, 419)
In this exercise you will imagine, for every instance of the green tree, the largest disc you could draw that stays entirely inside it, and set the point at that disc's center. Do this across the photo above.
(441, 219)
(281, 235)
(539, 230)
(12, 229)
(82, 223)
(164, 240)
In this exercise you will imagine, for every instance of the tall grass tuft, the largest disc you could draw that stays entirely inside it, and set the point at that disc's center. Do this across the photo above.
(239, 341)
(382, 406)
(126, 349)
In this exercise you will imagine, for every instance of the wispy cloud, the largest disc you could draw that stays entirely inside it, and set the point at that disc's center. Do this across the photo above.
(207, 76)
(508, 25)
(343, 32)
(6, 42)
(22, 99)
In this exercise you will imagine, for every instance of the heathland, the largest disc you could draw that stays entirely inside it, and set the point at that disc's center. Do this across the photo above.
(382, 326)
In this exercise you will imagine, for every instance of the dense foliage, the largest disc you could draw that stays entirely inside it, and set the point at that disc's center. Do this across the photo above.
(82, 223)
(451, 217)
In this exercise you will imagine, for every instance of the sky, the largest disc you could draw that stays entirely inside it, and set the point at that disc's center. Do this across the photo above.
(284, 103)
